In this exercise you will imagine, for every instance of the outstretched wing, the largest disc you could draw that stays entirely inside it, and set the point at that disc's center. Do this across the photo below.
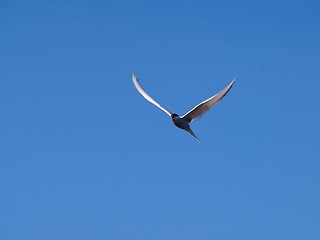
(205, 106)
(146, 95)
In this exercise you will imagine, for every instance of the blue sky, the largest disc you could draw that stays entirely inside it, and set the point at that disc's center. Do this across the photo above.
(84, 156)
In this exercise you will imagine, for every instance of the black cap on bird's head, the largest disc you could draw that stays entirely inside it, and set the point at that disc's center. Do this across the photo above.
(173, 115)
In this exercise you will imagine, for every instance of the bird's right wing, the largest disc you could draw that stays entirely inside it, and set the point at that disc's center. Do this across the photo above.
(205, 106)
(146, 95)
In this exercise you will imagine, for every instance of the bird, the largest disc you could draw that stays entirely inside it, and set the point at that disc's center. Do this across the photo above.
(195, 113)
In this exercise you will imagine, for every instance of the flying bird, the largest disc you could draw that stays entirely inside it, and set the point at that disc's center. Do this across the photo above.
(195, 113)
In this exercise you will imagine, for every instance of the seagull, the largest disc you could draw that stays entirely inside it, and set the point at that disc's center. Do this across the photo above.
(195, 113)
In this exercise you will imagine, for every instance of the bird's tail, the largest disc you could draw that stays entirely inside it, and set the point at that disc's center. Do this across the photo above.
(192, 133)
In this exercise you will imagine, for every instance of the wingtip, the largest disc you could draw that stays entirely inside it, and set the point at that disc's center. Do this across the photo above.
(232, 82)
(134, 78)
(235, 78)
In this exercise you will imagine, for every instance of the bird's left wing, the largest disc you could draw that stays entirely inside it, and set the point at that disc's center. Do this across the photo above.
(146, 95)
(205, 106)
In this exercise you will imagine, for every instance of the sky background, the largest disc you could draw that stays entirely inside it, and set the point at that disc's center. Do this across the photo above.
(84, 156)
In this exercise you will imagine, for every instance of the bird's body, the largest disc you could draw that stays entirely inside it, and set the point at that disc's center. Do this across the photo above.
(184, 121)
(180, 122)
(183, 124)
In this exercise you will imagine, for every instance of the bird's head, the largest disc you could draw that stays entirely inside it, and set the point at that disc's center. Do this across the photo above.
(173, 115)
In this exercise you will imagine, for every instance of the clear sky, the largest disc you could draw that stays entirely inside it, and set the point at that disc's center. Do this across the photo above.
(84, 156)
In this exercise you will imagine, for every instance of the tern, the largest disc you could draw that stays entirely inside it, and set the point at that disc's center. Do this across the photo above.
(195, 113)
